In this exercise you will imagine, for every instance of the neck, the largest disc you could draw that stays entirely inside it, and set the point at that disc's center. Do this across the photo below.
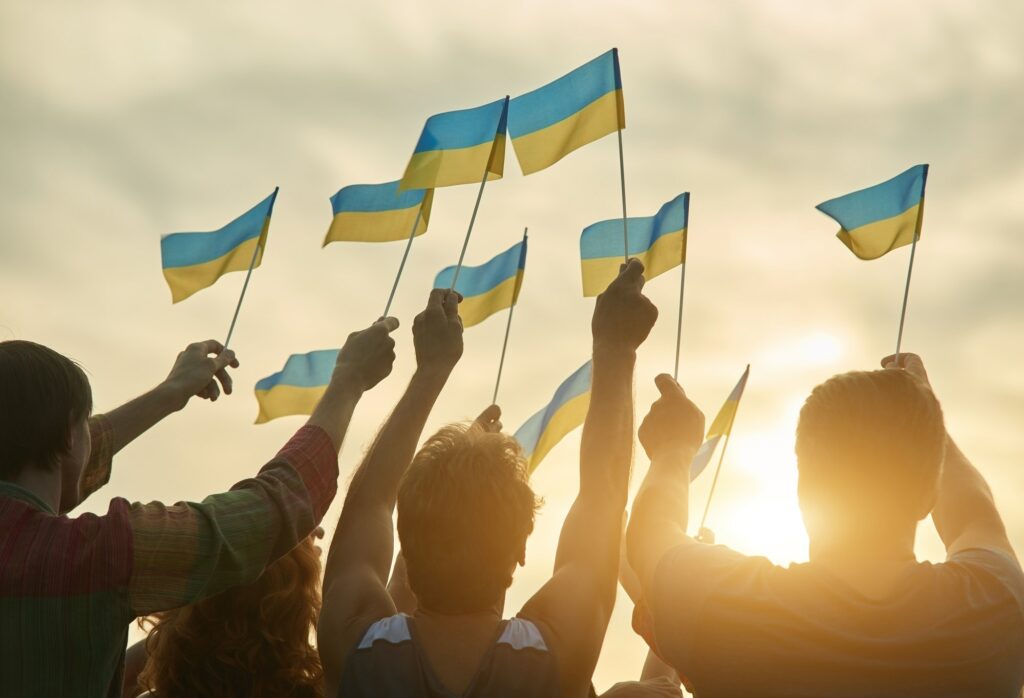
(44, 483)
(869, 558)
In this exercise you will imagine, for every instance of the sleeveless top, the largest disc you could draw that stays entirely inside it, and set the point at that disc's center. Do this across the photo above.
(389, 662)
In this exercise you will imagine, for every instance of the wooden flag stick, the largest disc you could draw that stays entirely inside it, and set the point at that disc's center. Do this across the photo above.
(906, 295)
(248, 274)
(405, 256)
(679, 322)
(504, 345)
(718, 469)
(469, 231)
(622, 181)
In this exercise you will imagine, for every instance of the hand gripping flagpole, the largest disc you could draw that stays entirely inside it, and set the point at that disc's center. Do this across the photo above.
(622, 181)
(504, 345)
(906, 295)
(405, 256)
(718, 469)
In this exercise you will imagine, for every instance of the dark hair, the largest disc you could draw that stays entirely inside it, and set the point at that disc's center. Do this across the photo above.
(465, 510)
(42, 396)
(870, 440)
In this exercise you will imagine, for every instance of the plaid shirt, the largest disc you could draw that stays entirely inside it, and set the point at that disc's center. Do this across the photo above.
(69, 587)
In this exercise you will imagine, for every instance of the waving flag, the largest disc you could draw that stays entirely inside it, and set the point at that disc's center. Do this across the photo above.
(720, 428)
(552, 121)
(298, 387)
(456, 147)
(659, 241)
(881, 218)
(566, 411)
(193, 261)
(378, 213)
(489, 288)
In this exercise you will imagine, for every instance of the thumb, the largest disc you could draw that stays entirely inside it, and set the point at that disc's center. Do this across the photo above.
(668, 387)
(390, 324)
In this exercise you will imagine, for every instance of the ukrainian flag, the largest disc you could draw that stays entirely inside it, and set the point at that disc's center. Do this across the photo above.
(881, 218)
(378, 213)
(658, 241)
(193, 261)
(566, 411)
(489, 288)
(552, 121)
(457, 147)
(298, 387)
(720, 428)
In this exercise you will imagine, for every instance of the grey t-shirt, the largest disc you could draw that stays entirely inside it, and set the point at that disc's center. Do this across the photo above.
(740, 626)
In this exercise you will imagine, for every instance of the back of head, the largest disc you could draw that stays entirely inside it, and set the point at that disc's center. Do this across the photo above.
(253, 640)
(43, 395)
(869, 449)
(465, 510)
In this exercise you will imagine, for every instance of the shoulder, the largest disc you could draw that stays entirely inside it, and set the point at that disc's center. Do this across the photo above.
(392, 630)
(521, 634)
(988, 573)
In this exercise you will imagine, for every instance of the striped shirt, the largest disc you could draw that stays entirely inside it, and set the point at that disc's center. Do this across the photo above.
(389, 662)
(69, 587)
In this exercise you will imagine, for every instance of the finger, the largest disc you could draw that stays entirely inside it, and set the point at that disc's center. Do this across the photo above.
(668, 387)
(435, 301)
(318, 532)
(451, 304)
(212, 392)
(210, 346)
(225, 381)
(390, 324)
(489, 415)
(225, 358)
(632, 270)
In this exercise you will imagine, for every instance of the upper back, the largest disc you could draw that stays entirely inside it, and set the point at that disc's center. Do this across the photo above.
(955, 628)
(390, 661)
(63, 598)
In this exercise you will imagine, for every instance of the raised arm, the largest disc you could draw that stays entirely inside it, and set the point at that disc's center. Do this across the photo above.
(196, 372)
(189, 551)
(670, 434)
(965, 514)
(576, 603)
(355, 577)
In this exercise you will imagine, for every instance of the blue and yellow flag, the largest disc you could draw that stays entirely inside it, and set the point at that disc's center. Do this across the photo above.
(378, 213)
(658, 241)
(566, 411)
(489, 288)
(298, 387)
(720, 428)
(456, 147)
(193, 261)
(881, 218)
(552, 121)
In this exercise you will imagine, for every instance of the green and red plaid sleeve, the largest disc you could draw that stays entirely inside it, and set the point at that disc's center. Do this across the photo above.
(188, 551)
(97, 470)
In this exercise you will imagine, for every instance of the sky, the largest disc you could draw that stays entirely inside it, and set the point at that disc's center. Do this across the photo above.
(123, 121)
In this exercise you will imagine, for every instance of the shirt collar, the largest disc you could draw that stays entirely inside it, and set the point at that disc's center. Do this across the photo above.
(9, 489)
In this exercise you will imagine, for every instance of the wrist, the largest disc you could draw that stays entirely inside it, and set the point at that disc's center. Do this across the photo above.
(169, 397)
(435, 375)
(346, 380)
(613, 349)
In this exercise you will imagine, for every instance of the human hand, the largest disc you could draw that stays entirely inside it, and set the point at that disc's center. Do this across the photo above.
(623, 316)
(197, 370)
(911, 363)
(659, 687)
(489, 420)
(437, 331)
(674, 424)
(369, 355)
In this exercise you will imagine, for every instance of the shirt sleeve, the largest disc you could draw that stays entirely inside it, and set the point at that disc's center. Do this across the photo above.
(189, 551)
(994, 572)
(97, 470)
(684, 580)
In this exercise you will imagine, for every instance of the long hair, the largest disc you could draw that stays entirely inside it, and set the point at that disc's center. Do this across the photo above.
(252, 640)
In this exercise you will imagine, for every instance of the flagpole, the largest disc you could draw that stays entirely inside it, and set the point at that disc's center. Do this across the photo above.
(622, 181)
(679, 322)
(906, 295)
(245, 285)
(405, 256)
(714, 481)
(469, 231)
(504, 344)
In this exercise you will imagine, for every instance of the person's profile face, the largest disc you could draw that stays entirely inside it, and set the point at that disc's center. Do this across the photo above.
(74, 460)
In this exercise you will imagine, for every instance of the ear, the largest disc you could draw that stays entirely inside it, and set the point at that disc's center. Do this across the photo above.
(522, 555)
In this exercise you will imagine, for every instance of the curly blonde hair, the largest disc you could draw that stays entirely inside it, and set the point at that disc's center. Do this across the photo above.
(252, 640)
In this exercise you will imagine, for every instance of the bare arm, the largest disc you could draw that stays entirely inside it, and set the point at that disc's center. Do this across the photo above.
(965, 515)
(195, 373)
(576, 603)
(356, 573)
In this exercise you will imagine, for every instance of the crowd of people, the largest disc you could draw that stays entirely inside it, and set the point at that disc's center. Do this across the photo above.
(232, 592)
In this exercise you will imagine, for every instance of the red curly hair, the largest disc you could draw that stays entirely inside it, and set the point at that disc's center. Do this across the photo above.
(252, 640)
